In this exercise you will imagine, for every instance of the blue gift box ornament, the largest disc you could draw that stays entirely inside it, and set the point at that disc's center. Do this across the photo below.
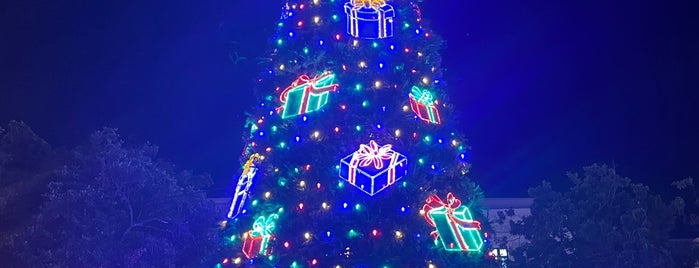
(373, 168)
(370, 19)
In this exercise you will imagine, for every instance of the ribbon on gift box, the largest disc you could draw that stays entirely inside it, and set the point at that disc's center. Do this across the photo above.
(373, 154)
(452, 203)
(318, 84)
(424, 97)
(376, 5)
(371, 3)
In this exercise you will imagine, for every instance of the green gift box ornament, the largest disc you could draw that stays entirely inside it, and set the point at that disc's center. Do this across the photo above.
(455, 228)
(307, 94)
(424, 105)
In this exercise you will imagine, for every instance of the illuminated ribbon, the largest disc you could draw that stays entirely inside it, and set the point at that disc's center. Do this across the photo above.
(264, 226)
(372, 3)
(316, 85)
(376, 5)
(422, 96)
(373, 154)
(452, 203)
(366, 155)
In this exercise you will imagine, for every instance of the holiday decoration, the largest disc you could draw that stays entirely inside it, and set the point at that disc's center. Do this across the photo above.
(243, 187)
(373, 168)
(306, 94)
(455, 227)
(423, 104)
(256, 240)
(369, 19)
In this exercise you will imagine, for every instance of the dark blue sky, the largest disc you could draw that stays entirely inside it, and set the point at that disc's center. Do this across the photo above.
(544, 86)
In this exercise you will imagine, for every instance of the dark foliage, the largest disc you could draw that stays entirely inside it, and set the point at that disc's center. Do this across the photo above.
(110, 205)
(603, 220)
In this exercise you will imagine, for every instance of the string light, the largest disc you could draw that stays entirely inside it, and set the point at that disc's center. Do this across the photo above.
(377, 84)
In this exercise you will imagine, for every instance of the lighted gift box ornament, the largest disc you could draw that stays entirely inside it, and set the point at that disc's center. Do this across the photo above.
(307, 94)
(370, 19)
(256, 240)
(422, 102)
(372, 168)
(455, 228)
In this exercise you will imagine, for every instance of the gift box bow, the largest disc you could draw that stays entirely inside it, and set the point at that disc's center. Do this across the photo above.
(422, 96)
(318, 84)
(263, 226)
(452, 203)
(373, 154)
(370, 3)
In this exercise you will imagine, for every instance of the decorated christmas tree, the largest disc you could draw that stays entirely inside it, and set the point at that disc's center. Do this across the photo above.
(353, 158)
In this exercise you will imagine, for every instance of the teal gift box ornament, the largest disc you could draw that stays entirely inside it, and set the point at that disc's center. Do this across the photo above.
(307, 94)
(455, 228)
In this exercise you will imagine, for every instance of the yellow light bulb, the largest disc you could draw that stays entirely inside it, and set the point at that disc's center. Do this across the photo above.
(316, 19)
(362, 64)
(377, 84)
(355, 43)
(419, 54)
(316, 134)
(302, 183)
(267, 195)
(281, 67)
(399, 234)
(237, 260)
(307, 235)
(406, 108)
(425, 80)
(397, 132)
(315, 2)
(325, 205)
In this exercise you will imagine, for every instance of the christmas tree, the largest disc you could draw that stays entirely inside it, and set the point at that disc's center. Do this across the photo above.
(352, 158)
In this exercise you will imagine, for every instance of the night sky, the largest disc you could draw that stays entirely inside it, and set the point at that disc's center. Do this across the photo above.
(543, 87)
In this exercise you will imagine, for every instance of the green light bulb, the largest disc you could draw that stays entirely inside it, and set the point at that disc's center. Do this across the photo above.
(280, 42)
(358, 87)
(305, 50)
(365, 103)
